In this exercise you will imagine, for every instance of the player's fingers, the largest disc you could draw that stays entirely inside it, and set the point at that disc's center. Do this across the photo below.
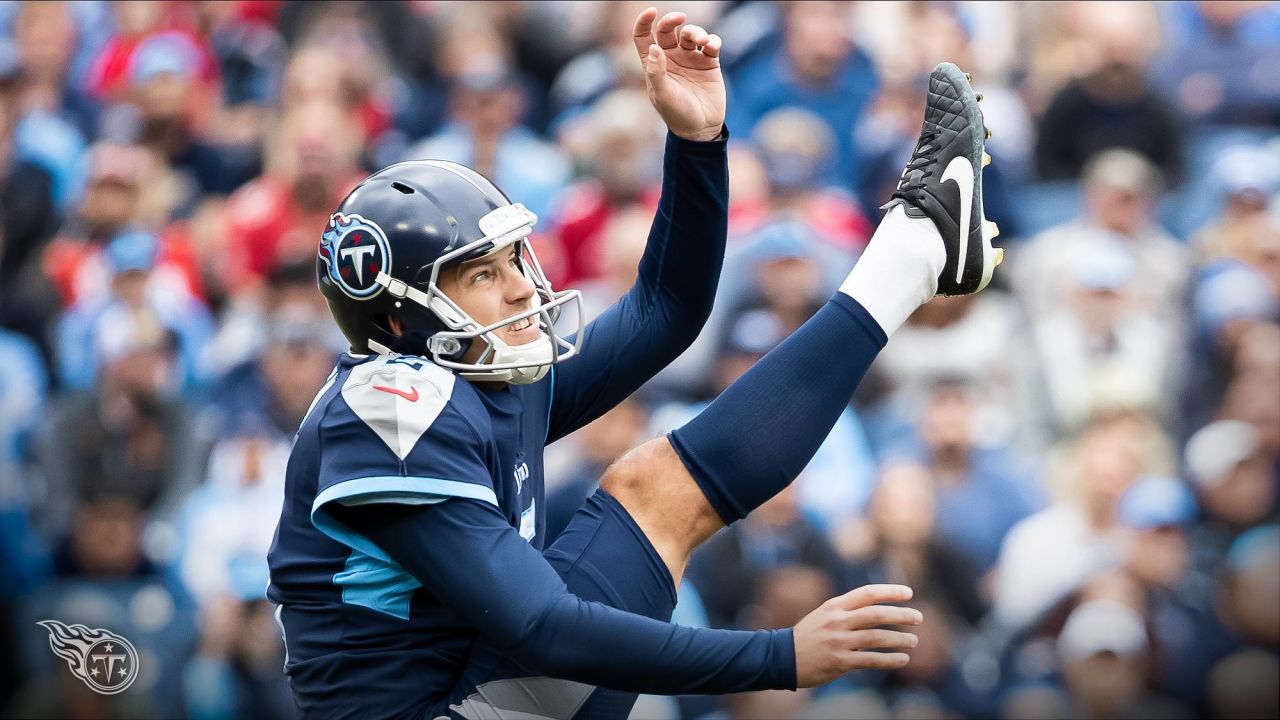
(866, 660)
(873, 594)
(873, 615)
(882, 640)
(666, 30)
(712, 47)
(642, 32)
(691, 36)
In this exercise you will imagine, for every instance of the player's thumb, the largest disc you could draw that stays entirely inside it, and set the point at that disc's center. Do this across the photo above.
(655, 67)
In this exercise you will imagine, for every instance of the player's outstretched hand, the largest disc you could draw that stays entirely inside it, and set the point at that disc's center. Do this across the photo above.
(839, 636)
(681, 73)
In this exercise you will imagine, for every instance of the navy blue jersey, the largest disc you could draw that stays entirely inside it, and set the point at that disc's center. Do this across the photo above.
(364, 636)
(394, 429)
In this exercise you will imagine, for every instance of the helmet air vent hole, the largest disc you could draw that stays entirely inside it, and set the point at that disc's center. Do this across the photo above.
(405, 189)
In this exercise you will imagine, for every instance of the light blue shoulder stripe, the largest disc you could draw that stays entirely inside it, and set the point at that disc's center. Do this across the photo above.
(388, 488)
(371, 578)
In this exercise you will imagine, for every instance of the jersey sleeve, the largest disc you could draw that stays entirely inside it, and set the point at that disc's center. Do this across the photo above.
(471, 558)
(662, 314)
(399, 431)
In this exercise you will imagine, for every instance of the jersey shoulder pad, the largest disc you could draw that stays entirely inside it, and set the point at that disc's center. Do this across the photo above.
(400, 398)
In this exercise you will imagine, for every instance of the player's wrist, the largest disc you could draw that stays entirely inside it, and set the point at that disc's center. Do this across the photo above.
(717, 133)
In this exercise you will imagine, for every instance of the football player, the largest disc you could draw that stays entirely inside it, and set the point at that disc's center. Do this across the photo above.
(408, 562)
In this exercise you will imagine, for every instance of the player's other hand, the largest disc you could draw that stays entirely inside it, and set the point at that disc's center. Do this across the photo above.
(839, 636)
(682, 73)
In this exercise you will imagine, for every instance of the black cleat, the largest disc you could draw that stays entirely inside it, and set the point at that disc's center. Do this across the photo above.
(943, 181)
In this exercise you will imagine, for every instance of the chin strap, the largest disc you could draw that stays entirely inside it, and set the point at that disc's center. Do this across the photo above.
(534, 361)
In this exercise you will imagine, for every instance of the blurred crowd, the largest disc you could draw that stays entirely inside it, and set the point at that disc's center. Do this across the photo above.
(1076, 469)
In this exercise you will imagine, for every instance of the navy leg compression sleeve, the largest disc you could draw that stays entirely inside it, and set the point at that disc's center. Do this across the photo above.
(757, 436)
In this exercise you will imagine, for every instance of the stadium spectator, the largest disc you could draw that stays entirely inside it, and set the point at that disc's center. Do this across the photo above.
(606, 66)
(1241, 685)
(981, 490)
(129, 430)
(45, 39)
(224, 523)
(1105, 648)
(1177, 600)
(486, 101)
(1215, 59)
(1231, 301)
(172, 114)
(619, 145)
(1252, 607)
(27, 220)
(236, 670)
(1051, 553)
(141, 303)
(312, 162)
(815, 66)
(1120, 190)
(1111, 104)
(101, 578)
(111, 202)
(1244, 178)
(795, 148)
(270, 393)
(1101, 348)
(484, 134)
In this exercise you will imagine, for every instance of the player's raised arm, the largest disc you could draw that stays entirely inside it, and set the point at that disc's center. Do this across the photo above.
(467, 555)
(669, 304)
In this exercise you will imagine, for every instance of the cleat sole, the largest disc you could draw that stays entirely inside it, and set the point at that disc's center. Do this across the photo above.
(986, 158)
(991, 256)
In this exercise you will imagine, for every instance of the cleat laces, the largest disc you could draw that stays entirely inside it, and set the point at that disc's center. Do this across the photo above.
(913, 176)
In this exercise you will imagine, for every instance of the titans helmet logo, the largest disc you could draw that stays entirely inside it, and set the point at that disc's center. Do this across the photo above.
(355, 250)
(104, 661)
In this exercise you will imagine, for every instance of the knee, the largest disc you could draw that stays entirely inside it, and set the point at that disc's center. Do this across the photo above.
(652, 483)
(640, 472)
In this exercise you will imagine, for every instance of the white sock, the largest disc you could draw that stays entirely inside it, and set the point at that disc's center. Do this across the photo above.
(899, 270)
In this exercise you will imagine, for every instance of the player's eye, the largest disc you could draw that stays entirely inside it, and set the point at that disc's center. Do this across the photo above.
(481, 275)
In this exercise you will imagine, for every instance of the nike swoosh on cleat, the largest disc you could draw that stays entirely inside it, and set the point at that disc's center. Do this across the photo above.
(960, 171)
(410, 396)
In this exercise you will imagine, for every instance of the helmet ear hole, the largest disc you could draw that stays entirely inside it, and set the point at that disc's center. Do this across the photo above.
(384, 323)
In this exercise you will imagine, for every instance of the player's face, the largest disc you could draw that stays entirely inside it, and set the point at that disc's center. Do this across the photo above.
(491, 288)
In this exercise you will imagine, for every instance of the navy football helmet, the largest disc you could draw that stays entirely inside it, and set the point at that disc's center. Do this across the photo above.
(382, 253)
